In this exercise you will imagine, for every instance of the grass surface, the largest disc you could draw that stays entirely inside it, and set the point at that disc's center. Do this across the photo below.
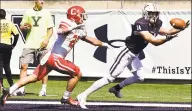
(135, 92)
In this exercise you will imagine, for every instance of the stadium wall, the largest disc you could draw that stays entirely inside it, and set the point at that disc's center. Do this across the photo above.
(100, 4)
(163, 62)
(97, 8)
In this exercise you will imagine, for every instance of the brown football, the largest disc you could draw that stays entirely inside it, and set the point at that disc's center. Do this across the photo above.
(177, 23)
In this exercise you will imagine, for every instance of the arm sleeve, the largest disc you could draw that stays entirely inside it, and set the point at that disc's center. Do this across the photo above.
(67, 25)
(14, 29)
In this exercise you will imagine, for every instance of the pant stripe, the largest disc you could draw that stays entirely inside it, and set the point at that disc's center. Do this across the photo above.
(117, 58)
(61, 66)
(111, 72)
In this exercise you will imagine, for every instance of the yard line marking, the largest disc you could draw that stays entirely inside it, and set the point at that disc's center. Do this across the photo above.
(105, 103)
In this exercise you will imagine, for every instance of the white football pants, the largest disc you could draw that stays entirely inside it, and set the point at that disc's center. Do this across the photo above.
(125, 59)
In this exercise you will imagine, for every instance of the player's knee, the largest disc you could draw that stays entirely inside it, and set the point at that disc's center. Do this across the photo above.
(78, 73)
(138, 74)
(110, 78)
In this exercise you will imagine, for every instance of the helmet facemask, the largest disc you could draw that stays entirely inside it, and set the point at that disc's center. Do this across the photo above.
(152, 17)
(151, 13)
(83, 17)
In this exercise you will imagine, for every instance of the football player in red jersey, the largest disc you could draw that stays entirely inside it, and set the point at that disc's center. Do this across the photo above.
(69, 32)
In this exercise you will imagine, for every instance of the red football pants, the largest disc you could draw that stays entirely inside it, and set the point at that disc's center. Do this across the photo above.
(58, 64)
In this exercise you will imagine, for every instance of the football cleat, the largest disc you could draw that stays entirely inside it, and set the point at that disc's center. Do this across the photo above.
(42, 93)
(69, 101)
(4, 97)
(82, 101)
(19, 93)
(116, 92)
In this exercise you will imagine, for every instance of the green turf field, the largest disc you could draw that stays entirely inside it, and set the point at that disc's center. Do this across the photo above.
(135, 92)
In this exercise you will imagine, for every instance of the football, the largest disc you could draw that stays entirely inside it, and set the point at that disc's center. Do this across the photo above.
(178, 23)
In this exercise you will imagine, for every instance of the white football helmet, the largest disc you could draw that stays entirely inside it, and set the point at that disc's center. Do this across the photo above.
(151, 12)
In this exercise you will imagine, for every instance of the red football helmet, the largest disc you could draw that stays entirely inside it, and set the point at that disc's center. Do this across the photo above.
(77, 14)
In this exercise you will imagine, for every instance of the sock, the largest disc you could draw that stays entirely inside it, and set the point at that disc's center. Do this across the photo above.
(66, 94)
(128, 81)
(117, 87)
(13, 88)
(22, 89)
(44, 86)
(96, 85)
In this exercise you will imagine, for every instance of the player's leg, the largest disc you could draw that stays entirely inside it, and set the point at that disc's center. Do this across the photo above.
(39, 73)
(70, 87)
(73, 80)
(44, 86)
(43, 90)
(66, 67)
(22, 82)
(136, 69)
(6, 65)
(94, 87)
(116, 69)
(26, 58)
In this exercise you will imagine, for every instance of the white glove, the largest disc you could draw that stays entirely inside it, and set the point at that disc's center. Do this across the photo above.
(106, 45)
(81, 33)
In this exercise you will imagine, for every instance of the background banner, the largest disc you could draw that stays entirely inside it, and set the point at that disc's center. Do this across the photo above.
(169, 61)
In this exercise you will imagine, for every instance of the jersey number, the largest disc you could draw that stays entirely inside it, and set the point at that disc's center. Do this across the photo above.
(74, 40)
(4, 27)
(138, 27)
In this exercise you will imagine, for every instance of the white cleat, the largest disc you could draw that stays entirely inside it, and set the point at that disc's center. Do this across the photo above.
(42, 93)
(82, 101)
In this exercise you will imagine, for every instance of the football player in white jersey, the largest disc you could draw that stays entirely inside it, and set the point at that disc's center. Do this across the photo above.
(144, 31)
(69, 32)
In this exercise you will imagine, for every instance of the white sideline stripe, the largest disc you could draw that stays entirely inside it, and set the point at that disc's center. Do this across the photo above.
(105, 103)
(141, 97)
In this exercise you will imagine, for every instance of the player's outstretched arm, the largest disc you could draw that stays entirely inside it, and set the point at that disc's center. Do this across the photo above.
(66, 27)
(95, 42)
(155, 40)
(172, 31)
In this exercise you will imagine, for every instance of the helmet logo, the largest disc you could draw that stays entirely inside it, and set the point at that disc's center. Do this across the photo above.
(73, 11)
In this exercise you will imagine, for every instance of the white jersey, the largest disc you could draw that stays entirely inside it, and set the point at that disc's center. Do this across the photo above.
(65, 42)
